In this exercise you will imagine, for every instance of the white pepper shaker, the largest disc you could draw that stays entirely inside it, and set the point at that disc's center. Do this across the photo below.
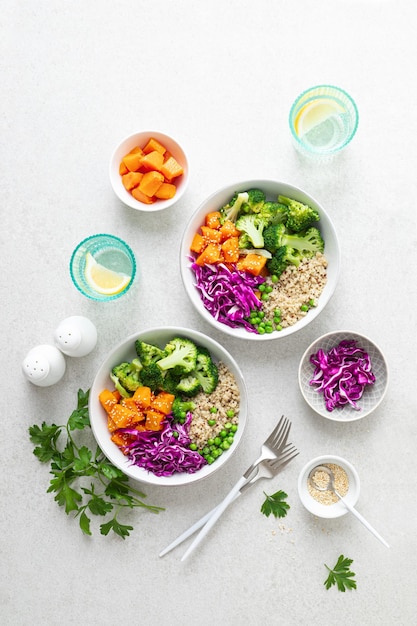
(44, 365)
(76, 336)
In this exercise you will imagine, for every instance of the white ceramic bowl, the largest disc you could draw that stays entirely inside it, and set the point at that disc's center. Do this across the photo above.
(140, 139)
(126, 351)
(328, 510)
(272, 189)
(373, 394)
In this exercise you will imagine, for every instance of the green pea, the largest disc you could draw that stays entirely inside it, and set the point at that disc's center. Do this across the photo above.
(261, 330)
(225, 445)
(234, 428)
(193, 446)
(228, 425)
(210, 460)
(213, 409)
(262, 287)
(274, 278)
(265, 297)
(210, 442)
(304, 307)
(217, 441)
(175, 434)
(211, 422)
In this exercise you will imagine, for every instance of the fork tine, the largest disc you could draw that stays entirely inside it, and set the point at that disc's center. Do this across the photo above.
(284, 459)
(281, 437)
(279, 431)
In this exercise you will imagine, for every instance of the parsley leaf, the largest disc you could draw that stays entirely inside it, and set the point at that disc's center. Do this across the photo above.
(275, 504)
(340, 575)
(71, 464)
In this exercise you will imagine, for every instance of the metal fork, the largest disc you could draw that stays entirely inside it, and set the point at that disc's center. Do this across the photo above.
(268, 468)
(272, 445)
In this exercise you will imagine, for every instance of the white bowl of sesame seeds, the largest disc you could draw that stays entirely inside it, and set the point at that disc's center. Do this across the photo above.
(325, 503)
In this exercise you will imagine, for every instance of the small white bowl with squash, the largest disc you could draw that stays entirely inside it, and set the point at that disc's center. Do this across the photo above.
(149, 171)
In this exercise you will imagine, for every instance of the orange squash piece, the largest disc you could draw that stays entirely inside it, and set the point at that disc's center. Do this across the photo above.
(122, 416)
(111, 426)
(228, 229)
(230, 249)
(143, 397)
(154, 420)
(163, 402)
(171, 169)
(252, 263)
(122, 169)
(198, 243)
(138, 195)
(212, 219)
(166, 191)
(150, 183)
(152, 145)
(212, 253)
(133, 161)
(108, 400)
(131, 180)
(210, 234)
(152, 161)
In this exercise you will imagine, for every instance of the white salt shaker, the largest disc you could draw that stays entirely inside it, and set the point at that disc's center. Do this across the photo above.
(76, 336)
(44, 365)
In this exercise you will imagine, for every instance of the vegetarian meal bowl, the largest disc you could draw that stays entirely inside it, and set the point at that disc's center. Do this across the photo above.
(343, 376)
(168, 406)
(260, 259)
(325, 503)
(149, 171)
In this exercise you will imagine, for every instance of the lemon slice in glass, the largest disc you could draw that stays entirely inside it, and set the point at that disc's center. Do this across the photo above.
(103, 280)
(314, 113)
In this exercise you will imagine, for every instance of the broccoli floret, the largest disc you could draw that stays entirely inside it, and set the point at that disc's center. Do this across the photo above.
(148, 353)
(299, 216)
(189, 385)
(231, 210)
(283, 257)
(255, 201)
(307, 243)
(181, 356)
(180, 408)
(206, 371)
(244, 242)
(253, 226)
(126, 377)
(151, 376)
(273, 213)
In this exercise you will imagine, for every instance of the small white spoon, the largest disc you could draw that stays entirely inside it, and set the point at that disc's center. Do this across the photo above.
(330, 486)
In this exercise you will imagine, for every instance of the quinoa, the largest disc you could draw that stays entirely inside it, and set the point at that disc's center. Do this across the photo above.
(297, 286)
(225, 397)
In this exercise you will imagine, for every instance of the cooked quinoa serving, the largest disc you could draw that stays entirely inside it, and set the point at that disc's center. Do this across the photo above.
(220, 407)
(296, 287)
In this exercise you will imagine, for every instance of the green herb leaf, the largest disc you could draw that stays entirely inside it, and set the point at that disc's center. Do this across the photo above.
(340, 575)
(71, 464)
(275, 504)
(85, 523)
(120, 529)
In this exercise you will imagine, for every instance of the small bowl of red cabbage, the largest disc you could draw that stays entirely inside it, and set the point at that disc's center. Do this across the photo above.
(343, 376)
(202, 381)
(267, 266)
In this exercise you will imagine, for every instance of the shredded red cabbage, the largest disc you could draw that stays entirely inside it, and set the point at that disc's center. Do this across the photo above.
(228, 294)
(162, 452)
(342, 374)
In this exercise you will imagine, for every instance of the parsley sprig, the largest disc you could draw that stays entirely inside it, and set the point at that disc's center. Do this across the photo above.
(275, 504)
(85, 482)
(341, 575)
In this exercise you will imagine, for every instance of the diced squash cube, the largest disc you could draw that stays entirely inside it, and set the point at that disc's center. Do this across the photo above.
(228, 229)
(150, 183)
(136, 150)
(198, 243)
(131, 180)
(252, 263)
(211, 234)
(122, 169)
(152, 161)
(108, 400)
(230, 249)
(212, 253)
(171, 169)
(141, 197)
(154, 419)
(132, 161)
(213, 219)
(143, 397)
(163, 402)
(122, 416)
(152, 145)
(166, 191)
